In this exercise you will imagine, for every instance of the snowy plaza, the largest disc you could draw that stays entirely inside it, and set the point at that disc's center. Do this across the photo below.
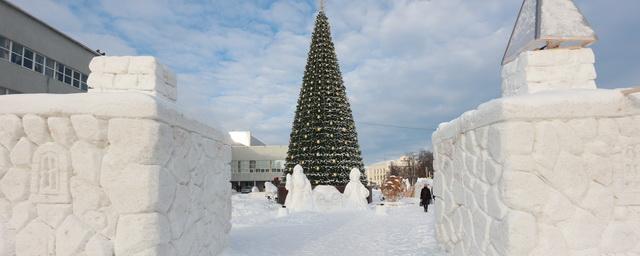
(257, 230)
(436, 127)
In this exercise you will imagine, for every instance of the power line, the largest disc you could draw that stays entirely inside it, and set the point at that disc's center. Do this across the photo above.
(396, 126)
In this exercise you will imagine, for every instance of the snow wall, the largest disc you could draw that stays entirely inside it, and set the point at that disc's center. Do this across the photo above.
(551, 173)
(119, 170)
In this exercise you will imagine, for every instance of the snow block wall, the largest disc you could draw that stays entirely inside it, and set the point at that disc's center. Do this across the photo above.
(537, 71)
(542, 174)
(551, 173)
(111, 172)
(552, 169)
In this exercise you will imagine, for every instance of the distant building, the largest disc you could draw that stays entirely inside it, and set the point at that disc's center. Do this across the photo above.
(378, 172)
(253, 162)
(37, 58)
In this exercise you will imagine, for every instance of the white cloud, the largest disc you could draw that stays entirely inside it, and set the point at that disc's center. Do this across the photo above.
(405, 62)
(81, 24)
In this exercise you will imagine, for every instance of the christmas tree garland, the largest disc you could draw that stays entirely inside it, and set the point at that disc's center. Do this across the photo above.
(323, 138)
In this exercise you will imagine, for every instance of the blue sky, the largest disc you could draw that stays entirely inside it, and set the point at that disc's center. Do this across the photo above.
(413, 63)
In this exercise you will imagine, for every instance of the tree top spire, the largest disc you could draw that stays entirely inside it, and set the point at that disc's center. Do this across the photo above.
(321, 5)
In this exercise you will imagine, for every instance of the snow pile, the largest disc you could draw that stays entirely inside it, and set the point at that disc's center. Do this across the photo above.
(251, 209)
(327, 198)
(376, 195)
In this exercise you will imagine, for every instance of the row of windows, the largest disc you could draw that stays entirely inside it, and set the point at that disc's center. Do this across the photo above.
(265, 170)
(257, 166)
(28, 58)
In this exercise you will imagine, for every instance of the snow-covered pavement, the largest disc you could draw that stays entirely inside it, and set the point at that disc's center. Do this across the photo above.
(405, 230)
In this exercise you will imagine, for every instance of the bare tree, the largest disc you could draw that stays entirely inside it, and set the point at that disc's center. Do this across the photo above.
(394, 169)
(425, 163)
(410, 165)
(413, 165)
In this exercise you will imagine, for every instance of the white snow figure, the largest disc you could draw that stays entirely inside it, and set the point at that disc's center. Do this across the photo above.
(270, 190)
(406, 183)
(299, 197)
(355, 194)
(288, 185)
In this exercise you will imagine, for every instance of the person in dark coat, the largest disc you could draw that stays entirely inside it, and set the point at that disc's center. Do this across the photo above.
(425, 197)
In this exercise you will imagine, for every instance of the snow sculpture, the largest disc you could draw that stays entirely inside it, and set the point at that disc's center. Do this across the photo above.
(327, 198)
(270, 190)
(300, 196)
(119, 170)
(255, 189)
(554, 173)
(288, 185)
(355, 194)
(50, 175)
(545, 51)
(548, 24)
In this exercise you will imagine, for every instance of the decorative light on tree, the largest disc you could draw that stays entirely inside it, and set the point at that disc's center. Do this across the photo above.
(323, 137)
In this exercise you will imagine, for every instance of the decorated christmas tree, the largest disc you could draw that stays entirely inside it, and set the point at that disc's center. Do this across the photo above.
(323, 138)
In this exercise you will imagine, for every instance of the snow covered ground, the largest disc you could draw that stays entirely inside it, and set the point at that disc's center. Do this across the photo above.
(405, 230)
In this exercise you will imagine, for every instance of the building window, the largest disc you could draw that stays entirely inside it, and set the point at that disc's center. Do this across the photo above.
(4, 48)
(252, 165)
(244, 166)
(16, 53)
(27, 60)
(60, 72)
(76, 79)
(50, 68)
(83, 82)
(68, 72)
(39, 64)
(277, 165)
(263, 165)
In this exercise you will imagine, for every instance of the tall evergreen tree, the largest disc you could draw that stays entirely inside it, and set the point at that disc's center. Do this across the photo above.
(323, 138)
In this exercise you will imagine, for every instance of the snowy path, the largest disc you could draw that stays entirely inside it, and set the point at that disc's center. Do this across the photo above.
(406, 230)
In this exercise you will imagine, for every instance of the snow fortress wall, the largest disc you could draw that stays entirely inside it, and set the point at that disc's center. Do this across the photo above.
(537, 71)
(106, 172)
(552, 173)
